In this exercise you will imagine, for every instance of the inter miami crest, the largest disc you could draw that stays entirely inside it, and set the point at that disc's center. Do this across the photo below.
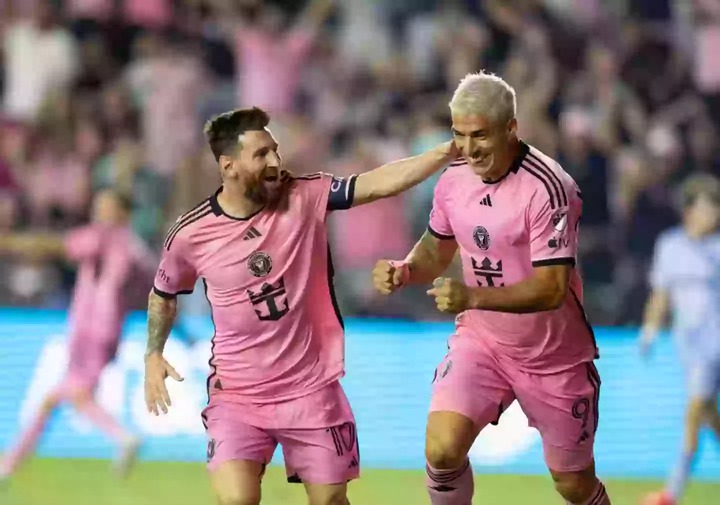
(481, 237)
(259, 264)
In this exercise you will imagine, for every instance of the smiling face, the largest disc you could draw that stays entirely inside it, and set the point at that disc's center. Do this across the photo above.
(486, 146)
(257, 165)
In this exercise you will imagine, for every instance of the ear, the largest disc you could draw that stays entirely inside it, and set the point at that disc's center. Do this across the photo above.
(512, 126)
(226, 163)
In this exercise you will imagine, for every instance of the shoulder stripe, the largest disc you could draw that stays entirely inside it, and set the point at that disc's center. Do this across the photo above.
(543, 167)
(457, 162)
(200, 213)
(184, 216)
(545, 183)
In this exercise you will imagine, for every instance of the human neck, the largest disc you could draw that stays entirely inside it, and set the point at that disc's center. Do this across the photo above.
(502, 168)
(234, 203)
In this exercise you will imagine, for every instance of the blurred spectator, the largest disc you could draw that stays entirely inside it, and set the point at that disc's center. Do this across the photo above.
(40, 56)
(116, 95)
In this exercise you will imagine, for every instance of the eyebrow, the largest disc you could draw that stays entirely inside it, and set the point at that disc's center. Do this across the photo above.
(475, 133)
(273, 146)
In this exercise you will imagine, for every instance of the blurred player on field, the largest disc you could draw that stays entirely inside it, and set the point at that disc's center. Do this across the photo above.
(107, 252)
(260, 244)
(521, 333)
(685, 280)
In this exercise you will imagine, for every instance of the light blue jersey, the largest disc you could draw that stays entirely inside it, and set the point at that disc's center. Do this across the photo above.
(689, 271)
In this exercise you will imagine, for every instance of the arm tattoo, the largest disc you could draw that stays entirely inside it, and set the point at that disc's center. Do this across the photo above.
(161, 316)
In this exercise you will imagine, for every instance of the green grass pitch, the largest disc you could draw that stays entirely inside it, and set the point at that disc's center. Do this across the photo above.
(89, 482)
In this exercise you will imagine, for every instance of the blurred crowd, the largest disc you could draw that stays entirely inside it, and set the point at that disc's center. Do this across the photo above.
(97, 93)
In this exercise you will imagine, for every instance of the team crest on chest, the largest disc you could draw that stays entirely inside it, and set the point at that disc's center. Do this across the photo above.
(481, 238)
(259, 263)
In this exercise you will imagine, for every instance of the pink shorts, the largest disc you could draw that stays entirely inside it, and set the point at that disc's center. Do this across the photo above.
(322, 455)
(476, 383)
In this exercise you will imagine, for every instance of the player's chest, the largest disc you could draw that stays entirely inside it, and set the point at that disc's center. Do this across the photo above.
(248, 255)
(485, 220)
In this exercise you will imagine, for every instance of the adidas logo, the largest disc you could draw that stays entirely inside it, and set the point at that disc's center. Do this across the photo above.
(486, 201)
(252, 233)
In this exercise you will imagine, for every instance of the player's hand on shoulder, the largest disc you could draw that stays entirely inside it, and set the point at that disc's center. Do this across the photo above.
(449, 149)
(157, 369)
(451, 296)
(389, 276)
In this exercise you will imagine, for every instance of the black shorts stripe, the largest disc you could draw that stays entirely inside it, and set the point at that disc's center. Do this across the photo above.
(185, 216)
(553, 176)
(336, 440)
(440, 235)
(545, 183)
(594, 378)
(585, 320)
(202, 213)
(554, 261)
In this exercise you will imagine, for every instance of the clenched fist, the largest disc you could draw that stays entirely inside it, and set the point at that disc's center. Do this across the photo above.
(450, 295)
(389, 276)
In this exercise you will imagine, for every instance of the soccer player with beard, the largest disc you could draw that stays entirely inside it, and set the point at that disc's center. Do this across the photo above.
(685, 275)
(521, 333)
(107, 252)
(260, 244)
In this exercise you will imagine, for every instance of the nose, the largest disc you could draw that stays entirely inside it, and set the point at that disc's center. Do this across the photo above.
(468, 146)
(273, 159)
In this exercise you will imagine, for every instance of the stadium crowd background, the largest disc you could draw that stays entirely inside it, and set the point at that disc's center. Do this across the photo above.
(96, 93)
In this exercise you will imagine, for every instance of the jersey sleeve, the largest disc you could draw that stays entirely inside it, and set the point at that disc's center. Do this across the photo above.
(328, 192)
(553, 228)
(659, 276)
(175, 275)
(439, 222)
(82, 243)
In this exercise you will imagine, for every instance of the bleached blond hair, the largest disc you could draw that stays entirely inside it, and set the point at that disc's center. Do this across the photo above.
(484, 94)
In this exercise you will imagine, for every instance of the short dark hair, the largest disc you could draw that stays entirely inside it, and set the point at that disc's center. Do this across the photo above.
(697, 185)
(222, 131)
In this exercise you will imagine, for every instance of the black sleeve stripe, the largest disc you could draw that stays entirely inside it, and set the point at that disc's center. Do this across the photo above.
(170, 296)
(545, 183)
(185, 218)
(554, 261)
(543, 167)
(440, 235)
(171, 237)
(308, 177)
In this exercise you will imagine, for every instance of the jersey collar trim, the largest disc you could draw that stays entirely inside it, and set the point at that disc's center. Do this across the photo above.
(218, 211)
(523, 151)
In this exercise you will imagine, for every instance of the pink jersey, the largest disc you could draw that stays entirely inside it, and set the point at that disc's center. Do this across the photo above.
(504, 229)
(107, 256)
(268, 278)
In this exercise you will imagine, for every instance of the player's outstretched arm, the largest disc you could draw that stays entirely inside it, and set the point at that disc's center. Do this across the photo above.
(429, 258)
(161, 317)
(33, 245)
(545, 290)
(657, 308)
(398, 176)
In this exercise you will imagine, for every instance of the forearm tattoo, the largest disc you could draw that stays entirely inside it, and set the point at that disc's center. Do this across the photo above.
(161, 316)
